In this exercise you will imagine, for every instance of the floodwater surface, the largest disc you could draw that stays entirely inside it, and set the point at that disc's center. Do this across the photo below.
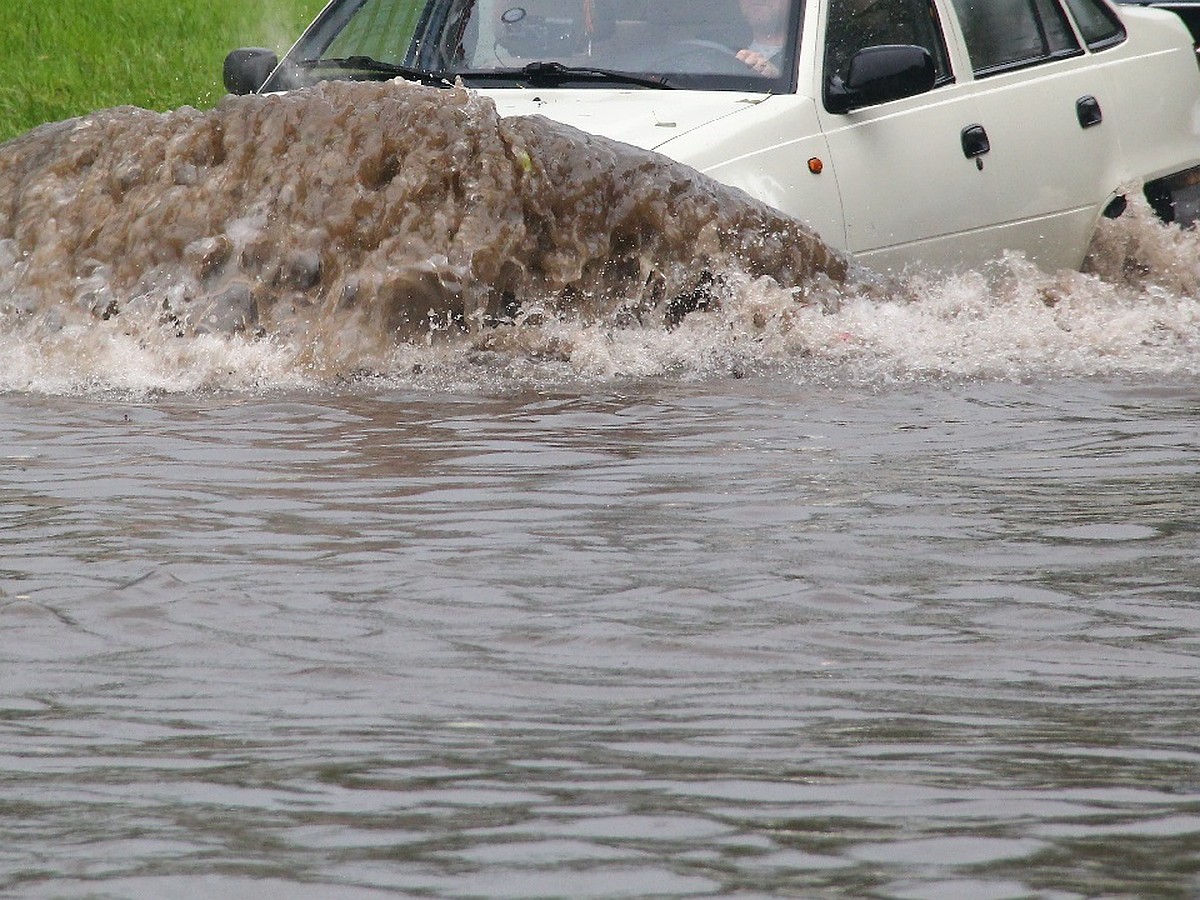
(813, 588)
(742, 637)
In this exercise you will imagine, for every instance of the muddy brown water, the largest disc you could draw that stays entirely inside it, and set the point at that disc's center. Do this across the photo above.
(386, 209)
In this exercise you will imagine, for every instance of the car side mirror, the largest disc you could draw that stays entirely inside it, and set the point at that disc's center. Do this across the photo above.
(879, 74)
(247, 69)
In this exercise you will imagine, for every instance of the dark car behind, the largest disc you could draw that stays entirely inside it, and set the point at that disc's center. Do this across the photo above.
(1188, 10)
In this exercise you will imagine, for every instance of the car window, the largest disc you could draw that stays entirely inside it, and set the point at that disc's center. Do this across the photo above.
(856, 24)
(1009, 34)
(663, 36)
(1097, 23)
(743, 45)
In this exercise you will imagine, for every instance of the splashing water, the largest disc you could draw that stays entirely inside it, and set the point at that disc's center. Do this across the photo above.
(395, 229)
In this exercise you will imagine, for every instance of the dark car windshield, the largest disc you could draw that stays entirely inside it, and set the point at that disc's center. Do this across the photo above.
(744, 45)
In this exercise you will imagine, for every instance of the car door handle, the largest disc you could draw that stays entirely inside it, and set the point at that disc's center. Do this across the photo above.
(1087, 110)
(975, 141)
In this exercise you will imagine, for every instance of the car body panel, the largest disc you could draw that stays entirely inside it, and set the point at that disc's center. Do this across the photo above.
(887, 157)
(769, 158)
(1049, 191)
(1141, 102)
(646, 119)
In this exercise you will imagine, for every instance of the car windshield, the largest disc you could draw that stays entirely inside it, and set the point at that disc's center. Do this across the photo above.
(742, 45)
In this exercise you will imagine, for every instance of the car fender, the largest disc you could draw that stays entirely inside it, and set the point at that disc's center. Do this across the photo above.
(771, 147)
(775, 151)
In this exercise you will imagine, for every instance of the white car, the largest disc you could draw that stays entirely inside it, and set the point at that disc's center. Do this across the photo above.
(939, 132)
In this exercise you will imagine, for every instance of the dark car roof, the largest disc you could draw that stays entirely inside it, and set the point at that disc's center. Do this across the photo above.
(1188, 10)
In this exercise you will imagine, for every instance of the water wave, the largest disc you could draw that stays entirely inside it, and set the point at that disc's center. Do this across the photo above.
(403, 232)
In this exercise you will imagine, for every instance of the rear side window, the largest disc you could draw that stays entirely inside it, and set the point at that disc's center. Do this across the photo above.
(1099, 27)
(1010, 34)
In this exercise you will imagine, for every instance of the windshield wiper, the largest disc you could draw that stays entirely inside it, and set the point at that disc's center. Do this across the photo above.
(378, 67)
(550, 73)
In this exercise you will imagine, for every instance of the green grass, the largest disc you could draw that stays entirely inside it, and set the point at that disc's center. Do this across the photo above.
(63, 58)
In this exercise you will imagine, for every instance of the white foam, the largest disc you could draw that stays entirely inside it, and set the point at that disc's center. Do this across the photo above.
(1011, 322)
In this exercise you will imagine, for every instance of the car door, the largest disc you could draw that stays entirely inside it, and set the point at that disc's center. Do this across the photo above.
(906, 169)
(1053, 158)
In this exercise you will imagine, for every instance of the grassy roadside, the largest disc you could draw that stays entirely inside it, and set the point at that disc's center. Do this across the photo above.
(63, 58)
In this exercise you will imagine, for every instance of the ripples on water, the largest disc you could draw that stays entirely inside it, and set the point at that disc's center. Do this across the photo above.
(888, 596)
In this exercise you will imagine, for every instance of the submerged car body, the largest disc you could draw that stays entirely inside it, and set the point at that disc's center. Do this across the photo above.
(938, 132)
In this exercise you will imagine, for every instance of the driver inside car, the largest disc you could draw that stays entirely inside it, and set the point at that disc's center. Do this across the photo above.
(768, 23)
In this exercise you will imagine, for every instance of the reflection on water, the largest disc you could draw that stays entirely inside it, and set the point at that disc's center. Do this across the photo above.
(743, 636)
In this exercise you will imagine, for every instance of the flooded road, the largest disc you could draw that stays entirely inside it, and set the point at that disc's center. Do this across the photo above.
(660, 637)
(491, 544)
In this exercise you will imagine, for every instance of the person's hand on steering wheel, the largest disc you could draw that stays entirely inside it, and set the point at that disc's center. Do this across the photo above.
(759, 63)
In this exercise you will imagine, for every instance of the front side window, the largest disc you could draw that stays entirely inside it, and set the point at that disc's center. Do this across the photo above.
(713, 44)
(857, 24)
(1009, 34)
